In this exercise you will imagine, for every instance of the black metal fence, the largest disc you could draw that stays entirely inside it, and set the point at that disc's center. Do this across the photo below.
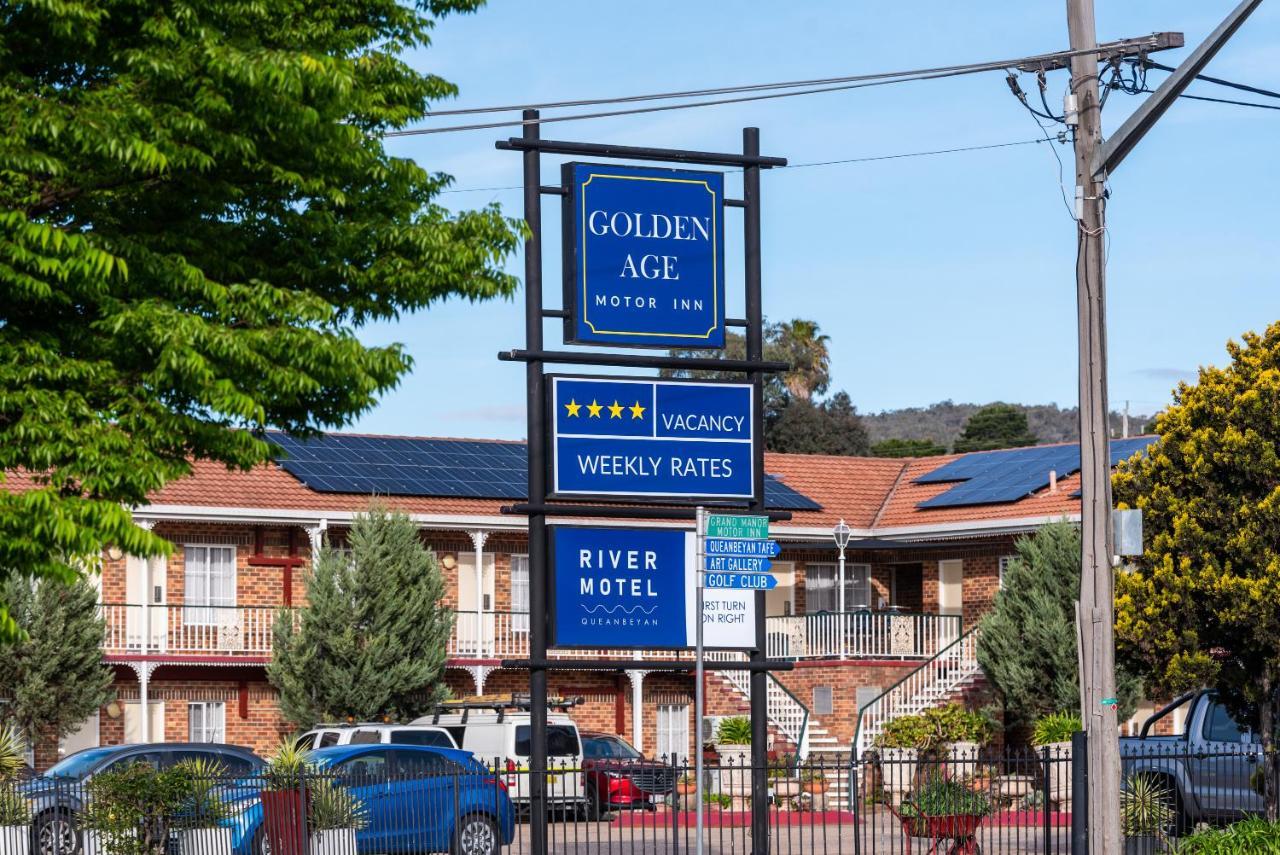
(889, 802)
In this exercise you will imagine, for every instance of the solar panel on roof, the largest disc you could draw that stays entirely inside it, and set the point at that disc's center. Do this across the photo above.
(402, 466)
(998, 477)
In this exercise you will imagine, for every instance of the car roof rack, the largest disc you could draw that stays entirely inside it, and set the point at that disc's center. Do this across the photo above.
(517, 702)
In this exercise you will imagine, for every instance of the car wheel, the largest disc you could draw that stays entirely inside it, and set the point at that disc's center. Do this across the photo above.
(56, 834)
(476, 834)
(261, 846)
(594, 809)
(1180, 823)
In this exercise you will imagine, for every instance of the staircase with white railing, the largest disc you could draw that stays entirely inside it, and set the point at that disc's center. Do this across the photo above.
(787, 715)
(952, 670)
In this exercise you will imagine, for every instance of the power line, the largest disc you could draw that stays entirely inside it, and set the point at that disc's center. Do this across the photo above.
(1218, 80)
(759, 87)
(1229, 101)
(812, 87)
(868, 159)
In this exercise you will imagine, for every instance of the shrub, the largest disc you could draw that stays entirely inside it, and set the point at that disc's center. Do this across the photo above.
(1055, 727)
(735, 730)
(14, 809)
(941, 796)
(1241, 838)
(1144, 806)
(935, 727)
(11, 754)
(202, 806)
(333, 807)
(131, 808)
(286, 767)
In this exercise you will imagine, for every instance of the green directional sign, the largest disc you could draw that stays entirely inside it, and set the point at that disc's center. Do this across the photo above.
(732, 525)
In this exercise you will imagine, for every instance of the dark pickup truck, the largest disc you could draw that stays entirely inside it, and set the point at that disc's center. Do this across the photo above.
(1208, 768)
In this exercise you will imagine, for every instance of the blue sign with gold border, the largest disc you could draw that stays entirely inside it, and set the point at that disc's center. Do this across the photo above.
(659, 439)
(644, 256)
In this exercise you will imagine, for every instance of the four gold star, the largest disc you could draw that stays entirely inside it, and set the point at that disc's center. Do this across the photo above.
(595, 408)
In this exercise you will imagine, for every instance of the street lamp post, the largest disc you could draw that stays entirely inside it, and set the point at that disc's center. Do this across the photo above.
(841, 534)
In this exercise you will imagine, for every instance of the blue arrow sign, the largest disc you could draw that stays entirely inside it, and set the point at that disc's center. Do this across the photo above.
(742, 581)
(736, 563)
(728, 546)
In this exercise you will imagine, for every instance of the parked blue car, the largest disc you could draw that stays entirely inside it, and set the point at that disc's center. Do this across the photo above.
(416, 798)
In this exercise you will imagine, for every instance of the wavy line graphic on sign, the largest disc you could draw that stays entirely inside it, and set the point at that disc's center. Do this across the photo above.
(615, 609)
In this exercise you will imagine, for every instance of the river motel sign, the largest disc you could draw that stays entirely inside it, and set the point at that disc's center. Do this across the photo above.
(651, 439)
(633, 589)
(643, 256)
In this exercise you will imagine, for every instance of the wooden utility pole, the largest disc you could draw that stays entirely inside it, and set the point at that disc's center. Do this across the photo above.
(1095, 160)
(1098, 682)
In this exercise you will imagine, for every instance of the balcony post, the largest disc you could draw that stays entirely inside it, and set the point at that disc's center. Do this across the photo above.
(637, 708)
(315, 538)
(478, 538)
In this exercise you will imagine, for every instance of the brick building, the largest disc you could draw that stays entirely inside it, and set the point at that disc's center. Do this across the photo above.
(189, 636)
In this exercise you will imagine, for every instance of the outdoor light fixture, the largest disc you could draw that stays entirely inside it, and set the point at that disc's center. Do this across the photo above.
(114, 552)
(448, 562)
(841, 534)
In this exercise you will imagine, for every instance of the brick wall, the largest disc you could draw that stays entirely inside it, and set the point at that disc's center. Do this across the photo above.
(253, 717)
(844, 678)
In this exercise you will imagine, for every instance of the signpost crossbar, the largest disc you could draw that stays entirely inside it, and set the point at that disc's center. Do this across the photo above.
(628, 360)
(633, 152)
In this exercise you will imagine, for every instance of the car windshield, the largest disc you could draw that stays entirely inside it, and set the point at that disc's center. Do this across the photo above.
(80, 763)
(596, 748)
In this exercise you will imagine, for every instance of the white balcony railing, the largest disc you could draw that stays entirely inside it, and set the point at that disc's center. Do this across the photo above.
(188, 630)
(246, 631)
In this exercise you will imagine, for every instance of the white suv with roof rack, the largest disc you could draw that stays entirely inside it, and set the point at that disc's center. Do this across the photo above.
(372, 733)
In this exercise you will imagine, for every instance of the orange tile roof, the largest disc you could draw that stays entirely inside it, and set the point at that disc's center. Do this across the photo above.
(867, 493)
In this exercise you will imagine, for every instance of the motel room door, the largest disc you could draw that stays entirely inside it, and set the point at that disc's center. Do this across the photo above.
(143, 589)
(950, 597)
(475, 635)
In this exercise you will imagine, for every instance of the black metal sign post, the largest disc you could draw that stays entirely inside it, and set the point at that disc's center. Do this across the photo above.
(539, 507)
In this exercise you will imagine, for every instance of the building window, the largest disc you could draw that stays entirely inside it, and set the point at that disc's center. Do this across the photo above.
(820, 583)
(822, 703)
(520, 593)
(673, 731)
(1005, 561)
(207, 721)
(210, 584)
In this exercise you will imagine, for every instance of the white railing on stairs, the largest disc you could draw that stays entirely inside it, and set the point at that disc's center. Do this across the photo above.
(787, 714)
(927, 686)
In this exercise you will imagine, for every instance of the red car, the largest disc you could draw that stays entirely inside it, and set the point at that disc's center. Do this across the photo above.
(618, 777)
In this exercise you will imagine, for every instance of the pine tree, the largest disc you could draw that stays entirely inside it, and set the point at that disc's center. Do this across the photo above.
(371, 640)
(995, 426)
(1027, 645)
(54, 678)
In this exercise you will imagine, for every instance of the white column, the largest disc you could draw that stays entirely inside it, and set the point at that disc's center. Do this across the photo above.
(478, 539)
(637, 708)
(144, 698)
(315, 535)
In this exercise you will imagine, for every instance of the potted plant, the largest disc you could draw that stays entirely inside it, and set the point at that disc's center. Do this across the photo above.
(813, 782)
(283, 798)
(334, 816)
(15, 813)
(733, 740)
(130, 810)
(963, 732)
(783, 780)
(686, 785)
(202, 809)
(1054, 732)
(1144, 814)
(899, 746)
(943, 808)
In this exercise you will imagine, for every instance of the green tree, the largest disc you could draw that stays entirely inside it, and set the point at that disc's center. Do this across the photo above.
(995, 426)
(1199, 607)
(735, 347)
(371, 640)
(805, 427)
(197, 215)
(53, 678)
(1027, 643)
(907, 448)
(806, 349)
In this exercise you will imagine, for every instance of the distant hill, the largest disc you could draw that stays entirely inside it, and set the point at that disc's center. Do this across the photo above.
(943, 421)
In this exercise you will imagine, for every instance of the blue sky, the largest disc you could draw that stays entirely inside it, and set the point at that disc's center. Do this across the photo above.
(936, 277)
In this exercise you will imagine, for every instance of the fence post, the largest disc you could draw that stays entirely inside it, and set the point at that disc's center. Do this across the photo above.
(1079, 794)
(1047, 758)
(855, 799)
(674, 807)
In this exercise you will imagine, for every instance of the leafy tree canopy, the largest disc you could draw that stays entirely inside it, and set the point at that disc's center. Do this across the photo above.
(907, 448)
(995, 426)
(197, 213)
(1027, 646)
(371, 640)
(1199, 607)
(830, 427)
(54, 677)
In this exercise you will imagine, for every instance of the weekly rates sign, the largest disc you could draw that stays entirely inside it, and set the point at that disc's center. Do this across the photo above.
(661, 439)
(643, 256)
(635, 589)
